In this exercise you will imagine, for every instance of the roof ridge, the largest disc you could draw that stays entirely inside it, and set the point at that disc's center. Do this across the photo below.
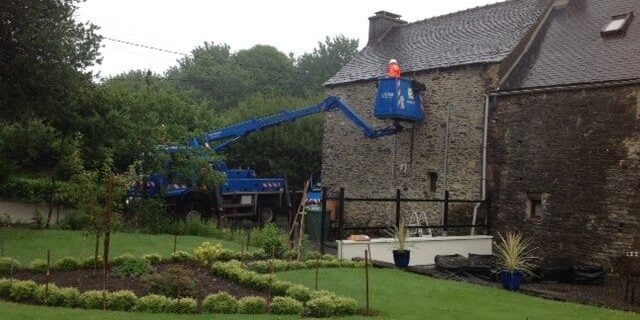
(447, 15)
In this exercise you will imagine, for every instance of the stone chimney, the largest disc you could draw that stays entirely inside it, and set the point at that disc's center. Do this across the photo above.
(381, 23)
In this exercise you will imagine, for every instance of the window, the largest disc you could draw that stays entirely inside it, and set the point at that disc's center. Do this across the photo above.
(617, 25)
(534, 206)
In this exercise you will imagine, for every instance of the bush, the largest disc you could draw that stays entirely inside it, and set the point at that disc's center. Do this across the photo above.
(181, 256)
(283, 305)
(121, 259)
(134, 267)
(221, 302)
(74, 220)
(184, 305)
(260, 266)
(207, 253)
(345, 306)
(67, 264)
(280, 287)
(22, 290)
(5, 287)
(92, 299)
(321, 307)
(71, 297)
(123, 300)
(7, 264)
(153, 303)
(52, 296)
(299, 292)
(90, 262)
(173, 281)
(322, 293)
(252, 305)
(271, 237)
(38, 265)
(153, 258)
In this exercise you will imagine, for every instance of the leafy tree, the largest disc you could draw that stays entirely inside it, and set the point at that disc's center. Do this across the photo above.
(317, 67)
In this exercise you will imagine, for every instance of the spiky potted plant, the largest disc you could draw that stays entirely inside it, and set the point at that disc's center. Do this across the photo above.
(514, 259)
(401, 255)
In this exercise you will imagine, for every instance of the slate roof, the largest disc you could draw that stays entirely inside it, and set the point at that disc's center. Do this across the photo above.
(570, 49)
(478, 35)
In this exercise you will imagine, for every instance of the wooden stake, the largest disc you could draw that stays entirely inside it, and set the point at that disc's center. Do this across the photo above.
(271, 272)
(175, 242)
(47, 276)
(366, 272)
(104, 285)
(317, 270)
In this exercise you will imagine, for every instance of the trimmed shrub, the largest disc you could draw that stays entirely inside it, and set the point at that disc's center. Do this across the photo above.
(321, 307)
(133, 267)
(123, 300)
(345, 306)
(284, 305)
(181, 256)
(153, 303)
(152, 258)
(52, 296)
(184, 305)
(38, 265)
(92, 299)
(208, 252)
(173, 281)
(121, 259)
(260, 266)
(252, 305)
(67, 264)
(22, 290)
(71, 297)
(90, 262)
(280, 287)
(322, 293)
(299, 292)
(220, 302)
(7, 264)
(5, 287)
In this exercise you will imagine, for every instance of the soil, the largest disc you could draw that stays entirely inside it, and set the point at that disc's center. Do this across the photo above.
(610, 294)
(86, 279)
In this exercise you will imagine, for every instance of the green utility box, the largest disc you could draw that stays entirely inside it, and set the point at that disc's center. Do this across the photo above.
(313, 224)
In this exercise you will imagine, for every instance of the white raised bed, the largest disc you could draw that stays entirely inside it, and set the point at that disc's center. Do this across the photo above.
(423, 250)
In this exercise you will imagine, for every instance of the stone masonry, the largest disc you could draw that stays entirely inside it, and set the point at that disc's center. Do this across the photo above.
(579, 153)
(373, 168)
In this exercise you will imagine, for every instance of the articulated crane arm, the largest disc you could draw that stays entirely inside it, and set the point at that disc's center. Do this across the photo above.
(233, 133)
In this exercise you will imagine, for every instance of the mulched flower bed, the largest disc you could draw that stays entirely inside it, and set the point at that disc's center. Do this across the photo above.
(87, 279)
(609, 295)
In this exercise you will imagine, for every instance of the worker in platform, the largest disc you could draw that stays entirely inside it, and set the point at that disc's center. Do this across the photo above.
(393, 70)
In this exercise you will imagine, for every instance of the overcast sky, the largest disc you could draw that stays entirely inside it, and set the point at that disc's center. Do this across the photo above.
(289, 25)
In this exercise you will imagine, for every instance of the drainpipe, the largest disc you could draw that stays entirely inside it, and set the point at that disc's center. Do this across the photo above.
(484, 162)
(446, 160)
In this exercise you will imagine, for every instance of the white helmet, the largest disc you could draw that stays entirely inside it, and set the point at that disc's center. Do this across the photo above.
(393, 61)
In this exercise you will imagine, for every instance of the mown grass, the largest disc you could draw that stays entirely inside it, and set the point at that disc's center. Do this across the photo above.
(26, 244)
(402, 295)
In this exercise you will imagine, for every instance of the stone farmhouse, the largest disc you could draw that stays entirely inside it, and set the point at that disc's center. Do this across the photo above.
(533, 104)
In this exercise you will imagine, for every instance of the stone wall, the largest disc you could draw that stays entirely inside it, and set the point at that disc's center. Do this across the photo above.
(578, 152)
(373, 167)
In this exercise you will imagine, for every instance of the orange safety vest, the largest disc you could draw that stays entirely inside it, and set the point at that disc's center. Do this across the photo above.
(394, 70)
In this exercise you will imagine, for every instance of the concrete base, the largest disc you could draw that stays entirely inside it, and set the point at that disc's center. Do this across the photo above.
(423, 250)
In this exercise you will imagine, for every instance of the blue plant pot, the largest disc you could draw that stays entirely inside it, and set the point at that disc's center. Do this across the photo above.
(511, 280)
(401, 258)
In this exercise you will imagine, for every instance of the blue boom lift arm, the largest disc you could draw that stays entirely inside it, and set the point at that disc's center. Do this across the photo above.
(231, 134)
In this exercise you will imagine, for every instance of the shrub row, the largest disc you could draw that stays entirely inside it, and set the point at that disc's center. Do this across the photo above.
(38, 190)
(283, 265)
(125, 300)
(317, 304)
(207, 253)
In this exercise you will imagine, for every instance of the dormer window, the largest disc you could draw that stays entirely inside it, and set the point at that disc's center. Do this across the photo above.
(617, 25)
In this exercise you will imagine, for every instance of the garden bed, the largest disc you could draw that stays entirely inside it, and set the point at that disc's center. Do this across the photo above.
(87, 279)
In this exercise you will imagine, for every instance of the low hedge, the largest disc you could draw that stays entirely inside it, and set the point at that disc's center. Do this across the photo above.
(7, 264)
(220, 302)
(285, 305)
(37, 190)
(283, 265)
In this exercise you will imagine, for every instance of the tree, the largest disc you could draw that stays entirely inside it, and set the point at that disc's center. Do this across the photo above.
(317, 67)
(44, 52)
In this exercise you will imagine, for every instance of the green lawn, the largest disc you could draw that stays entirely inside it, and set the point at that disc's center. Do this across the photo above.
(402, 295)
(26, 244)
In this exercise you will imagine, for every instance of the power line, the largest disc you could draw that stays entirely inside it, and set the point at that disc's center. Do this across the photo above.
(140, 45)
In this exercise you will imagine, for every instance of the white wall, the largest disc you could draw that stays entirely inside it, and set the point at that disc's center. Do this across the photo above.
(423, 250)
